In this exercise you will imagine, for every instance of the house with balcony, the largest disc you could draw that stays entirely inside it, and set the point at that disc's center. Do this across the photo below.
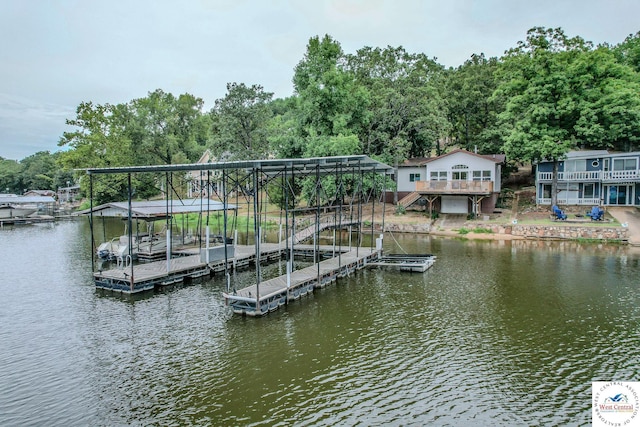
(592, 178)
(457, 182)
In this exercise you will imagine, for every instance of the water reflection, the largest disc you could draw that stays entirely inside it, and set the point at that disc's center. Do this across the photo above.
(496, 333)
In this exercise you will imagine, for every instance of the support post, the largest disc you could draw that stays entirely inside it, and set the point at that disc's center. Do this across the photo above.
(93, 241)
(130, 231)
(256, 231)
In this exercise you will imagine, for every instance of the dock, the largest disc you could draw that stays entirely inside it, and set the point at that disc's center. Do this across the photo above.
(262, 298)
(188, 264)
(144, 277)
(251, 179)
(406, 262)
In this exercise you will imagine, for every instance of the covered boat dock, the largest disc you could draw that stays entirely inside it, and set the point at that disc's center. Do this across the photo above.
(340, 186)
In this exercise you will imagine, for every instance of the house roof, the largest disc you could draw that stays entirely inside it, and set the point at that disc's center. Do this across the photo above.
(593, 154)
(416, 161)
(421, 161)
(41, 192)
(586, 154)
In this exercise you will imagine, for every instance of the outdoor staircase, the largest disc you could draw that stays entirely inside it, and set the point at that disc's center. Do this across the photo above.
(324, 224)
(409, 199)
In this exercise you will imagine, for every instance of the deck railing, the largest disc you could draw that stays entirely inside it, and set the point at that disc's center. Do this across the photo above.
(454, 187)
(609, 176)
(571, 176)
(571, 201)
(621, 175)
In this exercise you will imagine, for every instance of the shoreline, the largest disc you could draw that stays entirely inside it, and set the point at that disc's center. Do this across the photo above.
(575, 231)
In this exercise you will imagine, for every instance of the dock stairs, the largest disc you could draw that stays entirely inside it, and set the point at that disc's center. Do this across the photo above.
(409, 199)
(324, 224)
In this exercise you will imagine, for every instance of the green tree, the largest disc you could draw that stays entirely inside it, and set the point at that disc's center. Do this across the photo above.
(9, 176)
(166, 129)
(38, 171)
(159, 128)
(98, 140)
(242, 121)
(607, 99)
(540, 115)
(563, 94)
(628, 52)
(473, 111)
(331, 103)
(283, 133)
(405, 93)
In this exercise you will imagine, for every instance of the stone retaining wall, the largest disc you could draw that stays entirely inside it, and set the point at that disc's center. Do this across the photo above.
(564, 231)
(571, 232)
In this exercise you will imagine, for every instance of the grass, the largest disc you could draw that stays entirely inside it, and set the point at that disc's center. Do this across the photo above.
(477, 230)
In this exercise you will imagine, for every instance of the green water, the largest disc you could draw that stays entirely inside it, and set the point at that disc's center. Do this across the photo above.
(496, 333)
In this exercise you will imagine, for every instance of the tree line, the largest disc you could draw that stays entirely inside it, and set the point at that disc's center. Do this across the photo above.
(549, 94)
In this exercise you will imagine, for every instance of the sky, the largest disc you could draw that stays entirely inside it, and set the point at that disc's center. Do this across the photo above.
(55, 54)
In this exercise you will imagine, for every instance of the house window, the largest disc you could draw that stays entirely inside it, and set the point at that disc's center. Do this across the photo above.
(624, 164)
(575, 166)
(482, 175)
(413, 177)
(588, 191)
(438, 175)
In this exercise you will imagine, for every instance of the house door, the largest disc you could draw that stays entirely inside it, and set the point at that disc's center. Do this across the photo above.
(619, 194)
(459, 175)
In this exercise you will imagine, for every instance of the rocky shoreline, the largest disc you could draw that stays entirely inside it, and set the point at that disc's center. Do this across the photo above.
(484, 230)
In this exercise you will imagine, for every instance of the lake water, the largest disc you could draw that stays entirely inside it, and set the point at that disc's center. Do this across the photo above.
(496, 333)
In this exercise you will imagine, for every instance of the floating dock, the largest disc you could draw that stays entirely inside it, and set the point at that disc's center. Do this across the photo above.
(259, 299)
(188, 264)
(406, 262)
(144, 277)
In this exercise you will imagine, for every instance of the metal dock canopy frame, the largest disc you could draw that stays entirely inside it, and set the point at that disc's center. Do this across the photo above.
(271, 167)
(251, 177)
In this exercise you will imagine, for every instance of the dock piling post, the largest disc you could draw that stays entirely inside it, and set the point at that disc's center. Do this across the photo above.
(207, 231)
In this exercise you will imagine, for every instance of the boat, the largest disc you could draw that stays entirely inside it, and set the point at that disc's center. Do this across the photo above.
(117, 248)
(12, 211)
(147, 246)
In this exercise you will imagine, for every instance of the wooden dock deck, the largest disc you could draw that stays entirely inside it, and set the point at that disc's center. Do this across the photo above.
(406, 262)
(278, 291)
(188, 265)
(149, 275)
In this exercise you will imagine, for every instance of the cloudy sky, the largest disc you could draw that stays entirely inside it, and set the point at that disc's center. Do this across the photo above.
(55, 54)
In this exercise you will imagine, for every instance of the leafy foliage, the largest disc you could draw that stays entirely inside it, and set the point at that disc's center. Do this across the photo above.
(242, 119)
(549, 94)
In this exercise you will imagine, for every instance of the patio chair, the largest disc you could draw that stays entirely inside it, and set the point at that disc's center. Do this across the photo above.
(596, 214)
(559, 213)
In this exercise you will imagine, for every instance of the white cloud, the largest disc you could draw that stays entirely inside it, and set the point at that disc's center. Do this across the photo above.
(58, 54)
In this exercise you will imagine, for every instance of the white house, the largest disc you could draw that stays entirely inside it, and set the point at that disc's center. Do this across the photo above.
(456, 182)
(203, 182)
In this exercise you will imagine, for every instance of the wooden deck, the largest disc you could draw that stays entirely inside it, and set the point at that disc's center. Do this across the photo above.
(277, 292)
(187, 265)
(147, 276)
(405, 262)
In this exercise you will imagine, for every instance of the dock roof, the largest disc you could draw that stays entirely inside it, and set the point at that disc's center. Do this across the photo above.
(323, 165)
(16, 200)
(156, 209)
